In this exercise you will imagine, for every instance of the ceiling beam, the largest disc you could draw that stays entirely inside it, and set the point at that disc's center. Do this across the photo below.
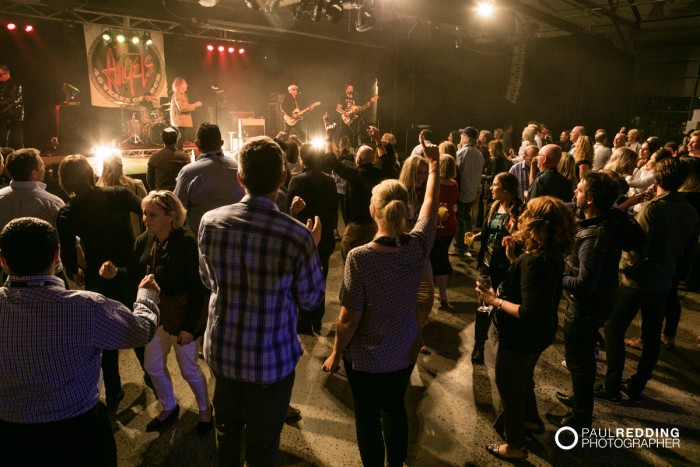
(543, 17)
(609, 13)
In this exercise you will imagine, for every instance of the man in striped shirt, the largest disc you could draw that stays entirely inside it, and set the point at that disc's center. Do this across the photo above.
(261, 266)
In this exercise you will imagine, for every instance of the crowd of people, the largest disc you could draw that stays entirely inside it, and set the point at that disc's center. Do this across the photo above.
(236, 250)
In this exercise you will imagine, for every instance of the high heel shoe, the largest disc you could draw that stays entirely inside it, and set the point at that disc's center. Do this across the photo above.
(157, 424)
(495, 450)
(204, 427)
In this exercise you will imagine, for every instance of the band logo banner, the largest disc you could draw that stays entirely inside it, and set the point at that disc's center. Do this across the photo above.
(120, 74)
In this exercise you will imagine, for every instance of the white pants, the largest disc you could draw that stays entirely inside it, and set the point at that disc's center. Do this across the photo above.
(156, 365)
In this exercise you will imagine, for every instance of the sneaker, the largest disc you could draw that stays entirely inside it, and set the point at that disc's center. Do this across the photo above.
(445, 305)
(601, 393)
(633, 396)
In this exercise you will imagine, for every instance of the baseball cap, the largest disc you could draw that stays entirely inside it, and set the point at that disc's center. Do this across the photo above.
(470, 131)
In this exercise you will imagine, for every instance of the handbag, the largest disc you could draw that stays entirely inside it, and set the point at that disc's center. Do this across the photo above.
(174, 310)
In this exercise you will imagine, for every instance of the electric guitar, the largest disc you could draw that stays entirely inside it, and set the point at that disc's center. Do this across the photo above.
(352, 114)
(10, 105)
(297, 115)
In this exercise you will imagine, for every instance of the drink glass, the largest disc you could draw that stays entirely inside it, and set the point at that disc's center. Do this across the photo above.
(469, 241)
(485, 283)
(442, 212)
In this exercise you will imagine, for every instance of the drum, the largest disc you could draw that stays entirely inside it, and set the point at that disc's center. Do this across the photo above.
(156, 117)
(145, 116)
(156, 132)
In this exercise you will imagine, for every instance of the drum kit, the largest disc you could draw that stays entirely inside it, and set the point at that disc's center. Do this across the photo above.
(143, 126)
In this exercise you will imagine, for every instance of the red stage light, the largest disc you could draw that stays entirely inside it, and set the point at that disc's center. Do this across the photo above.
(11, 26)
(210, 47)
(221, 48)
(241, 51)
(231, 50)
(29, 28)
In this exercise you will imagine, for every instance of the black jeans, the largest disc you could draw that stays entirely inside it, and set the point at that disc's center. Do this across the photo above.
(580, 336)
(673, 310)
(628, 301)
(85, 440)
(380, 415)
(313, 319)
(516, 387)
(260, 409)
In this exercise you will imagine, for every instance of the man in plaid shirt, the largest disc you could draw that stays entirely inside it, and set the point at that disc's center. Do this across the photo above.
(261, 266)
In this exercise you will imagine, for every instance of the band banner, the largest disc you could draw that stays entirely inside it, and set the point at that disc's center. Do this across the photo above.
(120, 74)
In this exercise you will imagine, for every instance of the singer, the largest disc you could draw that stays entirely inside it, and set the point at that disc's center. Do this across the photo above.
(181, 110)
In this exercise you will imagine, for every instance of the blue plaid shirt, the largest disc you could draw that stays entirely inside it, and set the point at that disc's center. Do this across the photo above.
(261, 265)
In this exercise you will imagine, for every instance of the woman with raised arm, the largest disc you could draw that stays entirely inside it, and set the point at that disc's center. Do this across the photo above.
(377, 333)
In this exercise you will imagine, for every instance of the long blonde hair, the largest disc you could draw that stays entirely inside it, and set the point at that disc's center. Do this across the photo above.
(567, 167)
(408, 178)
(390, 199)
(113, 173)
(583, 150)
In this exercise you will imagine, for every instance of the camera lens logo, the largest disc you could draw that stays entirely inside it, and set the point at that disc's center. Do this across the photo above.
(563, 446)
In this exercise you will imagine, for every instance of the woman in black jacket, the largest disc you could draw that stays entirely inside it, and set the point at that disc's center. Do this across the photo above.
(526, 316)
(168, 249)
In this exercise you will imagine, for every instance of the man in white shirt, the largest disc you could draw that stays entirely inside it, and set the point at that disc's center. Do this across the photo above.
(428, 135)
(27, 196)
(601, 151)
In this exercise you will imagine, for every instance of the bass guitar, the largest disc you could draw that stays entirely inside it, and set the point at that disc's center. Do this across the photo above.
(298, 115)
(352, 114)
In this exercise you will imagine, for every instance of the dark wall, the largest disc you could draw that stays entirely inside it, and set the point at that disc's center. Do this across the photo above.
(423, 80)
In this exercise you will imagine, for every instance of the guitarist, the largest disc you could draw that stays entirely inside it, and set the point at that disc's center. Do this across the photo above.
(11, 110)
(291, 107)
(346, 104)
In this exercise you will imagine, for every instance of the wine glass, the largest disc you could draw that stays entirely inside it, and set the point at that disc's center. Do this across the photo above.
(484, 283)
(469, 241)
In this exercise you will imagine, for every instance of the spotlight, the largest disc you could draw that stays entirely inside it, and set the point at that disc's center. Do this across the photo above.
(11, 26)
(485, 9)
(231, 50)
(121, 38)
(107, 36)
(334, 11)
(135, 40)
(210, 47)
(28, 28)
(318, 143)
(147, 38)
(208, 3)
(221, 48)
(241, 51)
(365, 21)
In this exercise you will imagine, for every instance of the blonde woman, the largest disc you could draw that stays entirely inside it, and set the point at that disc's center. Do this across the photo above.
(168, 249)
(181, 110)
(377, 333)
(583, 157)
(413, 175)
(113, 175)
(567, 167)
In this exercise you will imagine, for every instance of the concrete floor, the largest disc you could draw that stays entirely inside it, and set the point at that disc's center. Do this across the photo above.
(451, 404)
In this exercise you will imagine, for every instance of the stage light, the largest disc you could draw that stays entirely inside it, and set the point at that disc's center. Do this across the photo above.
(135, 40)
(231, 50)
(107, 37)
(11, 26)
(28, 28)
(121, 38)
(210, 47)
(147, 38)
(365, 21)
(485, 9)
(334, 11)
(221, 48)
(241, 51)
(318, 142)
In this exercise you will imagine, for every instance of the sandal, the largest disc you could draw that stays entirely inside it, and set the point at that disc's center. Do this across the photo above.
(635, 343)
(498, 450)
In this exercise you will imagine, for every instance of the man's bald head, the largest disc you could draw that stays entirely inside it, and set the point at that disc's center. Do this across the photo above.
(549, 156)
(365, 155)
(530, 153)
(576, 133)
